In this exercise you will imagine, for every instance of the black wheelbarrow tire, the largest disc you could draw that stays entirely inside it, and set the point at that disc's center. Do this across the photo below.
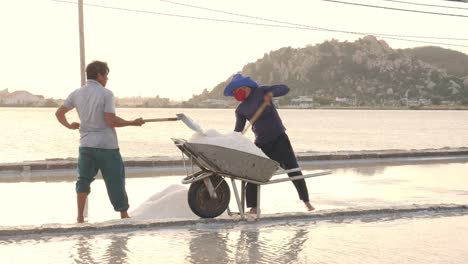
(202, 204)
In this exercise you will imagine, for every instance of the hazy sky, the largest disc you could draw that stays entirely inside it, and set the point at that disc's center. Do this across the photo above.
(176, 57)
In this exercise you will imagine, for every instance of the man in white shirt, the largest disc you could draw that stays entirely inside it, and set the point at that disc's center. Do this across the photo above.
(99, 149)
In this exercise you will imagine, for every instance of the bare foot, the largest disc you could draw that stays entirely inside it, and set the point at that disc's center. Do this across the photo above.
(253, 210)
(309, 206)
(124, 214)
(80, 219)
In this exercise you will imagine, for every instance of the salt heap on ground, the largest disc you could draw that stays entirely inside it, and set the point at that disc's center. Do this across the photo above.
(233, 140)
(170, 203)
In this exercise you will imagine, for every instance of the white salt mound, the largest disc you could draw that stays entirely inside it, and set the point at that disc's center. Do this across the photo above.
(232, 140)
(170, 203)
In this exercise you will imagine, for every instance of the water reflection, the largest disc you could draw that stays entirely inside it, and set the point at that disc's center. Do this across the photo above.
(369, 171)
(84, 251)
(208, 247)
(295, 247)
(366, 239)
(115, 252)
(248, 246)
(275, 247)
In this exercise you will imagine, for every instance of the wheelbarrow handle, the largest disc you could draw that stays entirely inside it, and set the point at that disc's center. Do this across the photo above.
(161, 119)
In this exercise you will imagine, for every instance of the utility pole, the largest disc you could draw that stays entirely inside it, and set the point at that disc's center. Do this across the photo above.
(82, 45)
(82, 65)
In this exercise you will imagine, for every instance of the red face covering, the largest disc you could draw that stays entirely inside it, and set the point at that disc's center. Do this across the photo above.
(240, 95)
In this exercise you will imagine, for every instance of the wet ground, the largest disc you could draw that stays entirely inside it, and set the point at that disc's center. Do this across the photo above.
(421, 237)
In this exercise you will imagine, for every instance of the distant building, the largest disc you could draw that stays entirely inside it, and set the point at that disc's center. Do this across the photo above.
(214, 102)
(4, 93)
(416, 102)
(424, 101)
(341, 99)
(276, 102)
(447, 103)
(391, 102)
(21, 98)
(156, 102)
(129, 101)
(346, 101)
(302, 102)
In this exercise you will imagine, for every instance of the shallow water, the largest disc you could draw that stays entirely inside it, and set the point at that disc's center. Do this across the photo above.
(394, 237)
(366, 186)
(38, 135)
(408, 240)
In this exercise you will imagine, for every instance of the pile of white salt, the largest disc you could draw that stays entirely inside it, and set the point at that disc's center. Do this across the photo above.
(232, 140)
(171, 203)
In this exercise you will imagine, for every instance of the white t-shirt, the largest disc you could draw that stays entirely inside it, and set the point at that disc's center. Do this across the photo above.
(91, 102)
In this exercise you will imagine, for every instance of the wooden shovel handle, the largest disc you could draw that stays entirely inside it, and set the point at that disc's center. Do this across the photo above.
(161, 119)
(255, 116)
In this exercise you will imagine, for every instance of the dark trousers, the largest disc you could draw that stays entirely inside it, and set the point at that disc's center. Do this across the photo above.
(281, 151)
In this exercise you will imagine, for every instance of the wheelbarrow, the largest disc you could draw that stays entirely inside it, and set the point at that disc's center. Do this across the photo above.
(209, 194)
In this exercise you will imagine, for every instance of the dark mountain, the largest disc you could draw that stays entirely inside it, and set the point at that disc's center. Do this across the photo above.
(367, 71)
(455, 62)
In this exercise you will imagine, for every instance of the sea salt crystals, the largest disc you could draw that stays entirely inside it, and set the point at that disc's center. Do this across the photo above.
(232, 140)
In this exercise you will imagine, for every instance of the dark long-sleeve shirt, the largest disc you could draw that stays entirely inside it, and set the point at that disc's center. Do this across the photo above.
(269, 125)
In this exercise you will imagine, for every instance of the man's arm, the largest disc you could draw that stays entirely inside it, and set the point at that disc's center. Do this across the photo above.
(114, 121)
(277, 90)
(62, 118)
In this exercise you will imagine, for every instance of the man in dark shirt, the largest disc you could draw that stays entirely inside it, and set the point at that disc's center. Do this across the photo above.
(270, 133)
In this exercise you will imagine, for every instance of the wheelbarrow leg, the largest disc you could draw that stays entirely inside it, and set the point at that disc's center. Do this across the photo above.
(258, 201)
(236, 193)
(243, 195)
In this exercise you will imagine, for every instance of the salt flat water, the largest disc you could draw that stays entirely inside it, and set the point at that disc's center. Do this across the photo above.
(414, 238)
(422, 237)
(369, 186)
(406, 241)
(34, 133)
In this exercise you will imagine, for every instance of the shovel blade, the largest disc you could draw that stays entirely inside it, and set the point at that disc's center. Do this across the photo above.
(190, 123)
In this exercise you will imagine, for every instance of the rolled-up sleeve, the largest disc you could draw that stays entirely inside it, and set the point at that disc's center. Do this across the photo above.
(240, 122)
(109, 103)
(70, 101)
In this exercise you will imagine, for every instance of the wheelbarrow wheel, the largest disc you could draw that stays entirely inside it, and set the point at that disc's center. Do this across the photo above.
(201, 202)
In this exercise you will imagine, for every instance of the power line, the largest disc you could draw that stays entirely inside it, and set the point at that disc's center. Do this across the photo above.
(250, 23)
(458, 1)
(236, 14)
(309, 26)
(180, 16)
(420, 4)
(396, 9)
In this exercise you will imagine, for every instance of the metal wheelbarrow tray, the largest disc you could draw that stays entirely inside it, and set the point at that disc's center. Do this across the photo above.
(209, 194)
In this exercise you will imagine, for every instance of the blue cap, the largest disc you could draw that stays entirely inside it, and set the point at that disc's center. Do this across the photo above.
(237, 81)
